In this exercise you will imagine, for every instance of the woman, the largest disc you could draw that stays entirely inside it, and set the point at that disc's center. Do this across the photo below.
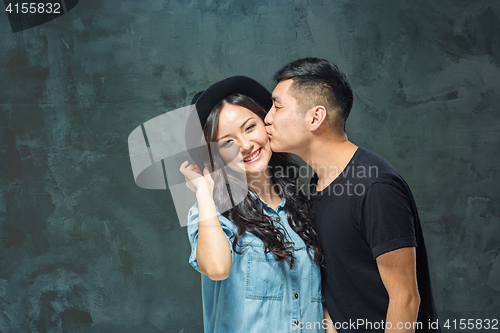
(260, 259)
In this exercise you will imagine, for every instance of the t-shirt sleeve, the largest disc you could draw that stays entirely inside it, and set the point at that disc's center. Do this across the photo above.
(192, 229)
(387, 219)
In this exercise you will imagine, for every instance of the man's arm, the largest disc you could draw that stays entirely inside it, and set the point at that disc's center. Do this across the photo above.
(398, 272)
(330, 328)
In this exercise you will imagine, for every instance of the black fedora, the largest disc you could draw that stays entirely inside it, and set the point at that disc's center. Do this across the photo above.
(206, 100)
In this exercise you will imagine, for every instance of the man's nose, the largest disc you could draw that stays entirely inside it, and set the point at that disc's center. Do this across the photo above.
(268, 120)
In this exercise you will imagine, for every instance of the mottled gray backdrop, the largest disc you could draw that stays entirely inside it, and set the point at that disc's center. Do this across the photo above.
(83, 249)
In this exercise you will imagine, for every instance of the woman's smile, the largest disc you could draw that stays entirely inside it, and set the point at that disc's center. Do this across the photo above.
(254, 156)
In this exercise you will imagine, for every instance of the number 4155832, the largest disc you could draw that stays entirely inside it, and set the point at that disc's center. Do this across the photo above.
(33, 8)
(472, 324)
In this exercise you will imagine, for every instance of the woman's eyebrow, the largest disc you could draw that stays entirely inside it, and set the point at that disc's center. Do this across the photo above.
(242, 125)
(246, 121)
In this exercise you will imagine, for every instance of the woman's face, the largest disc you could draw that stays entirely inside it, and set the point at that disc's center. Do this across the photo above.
(242, 140)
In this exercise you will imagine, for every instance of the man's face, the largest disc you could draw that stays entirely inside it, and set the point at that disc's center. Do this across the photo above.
(285, 124)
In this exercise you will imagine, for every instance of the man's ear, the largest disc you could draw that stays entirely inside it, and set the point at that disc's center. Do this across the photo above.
(316, 116)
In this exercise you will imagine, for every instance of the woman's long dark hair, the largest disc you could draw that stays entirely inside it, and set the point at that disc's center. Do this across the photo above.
(248, 215)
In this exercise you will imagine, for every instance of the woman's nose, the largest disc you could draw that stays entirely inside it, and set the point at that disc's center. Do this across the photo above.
(246, 147)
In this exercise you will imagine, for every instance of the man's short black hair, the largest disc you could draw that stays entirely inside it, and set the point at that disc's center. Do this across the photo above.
(319, 82)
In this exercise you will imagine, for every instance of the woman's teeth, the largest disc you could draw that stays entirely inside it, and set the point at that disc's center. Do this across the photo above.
(254, 155)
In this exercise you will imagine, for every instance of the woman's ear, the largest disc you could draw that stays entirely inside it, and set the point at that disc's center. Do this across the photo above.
(316, 116)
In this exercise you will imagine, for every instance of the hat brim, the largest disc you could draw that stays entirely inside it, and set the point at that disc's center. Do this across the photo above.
(206, 100)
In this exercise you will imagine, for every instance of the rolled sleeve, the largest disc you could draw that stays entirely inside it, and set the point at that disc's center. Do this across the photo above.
(388, 219)
(192, 229)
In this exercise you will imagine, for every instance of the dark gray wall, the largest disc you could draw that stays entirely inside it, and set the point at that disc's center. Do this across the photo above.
(82, 248)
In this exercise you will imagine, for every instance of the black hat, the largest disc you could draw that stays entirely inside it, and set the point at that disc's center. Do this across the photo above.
(206, 100)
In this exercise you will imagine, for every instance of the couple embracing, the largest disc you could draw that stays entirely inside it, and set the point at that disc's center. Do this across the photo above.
(349, 256)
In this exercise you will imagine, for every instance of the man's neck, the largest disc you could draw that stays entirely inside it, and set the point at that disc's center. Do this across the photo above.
(328, 156)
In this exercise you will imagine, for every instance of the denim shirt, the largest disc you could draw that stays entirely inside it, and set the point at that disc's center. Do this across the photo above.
(261, 294)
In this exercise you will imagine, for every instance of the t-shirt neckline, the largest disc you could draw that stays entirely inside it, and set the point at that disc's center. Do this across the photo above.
(314, 179)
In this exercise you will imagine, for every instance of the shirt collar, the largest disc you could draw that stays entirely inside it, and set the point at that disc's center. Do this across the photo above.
(266, 206)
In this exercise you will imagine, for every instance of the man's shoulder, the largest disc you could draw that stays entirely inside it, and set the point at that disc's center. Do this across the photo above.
(364, 170)
(367, 158)
(377, 168)
(385, 180)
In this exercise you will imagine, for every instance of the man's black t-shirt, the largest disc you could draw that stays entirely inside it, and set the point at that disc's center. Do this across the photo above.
(368, 210)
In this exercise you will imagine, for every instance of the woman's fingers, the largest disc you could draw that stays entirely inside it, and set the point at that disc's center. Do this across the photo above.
(186, 167)
(182, 168)
(206, 174)
(195, 177)
(196, 168)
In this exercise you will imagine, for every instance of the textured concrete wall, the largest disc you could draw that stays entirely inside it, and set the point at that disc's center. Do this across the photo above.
(84, 249)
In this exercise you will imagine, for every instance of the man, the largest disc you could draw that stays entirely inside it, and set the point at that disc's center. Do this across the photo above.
(376, 274)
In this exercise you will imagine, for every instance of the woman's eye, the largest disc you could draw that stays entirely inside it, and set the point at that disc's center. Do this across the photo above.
(250, 127)
(226, 144)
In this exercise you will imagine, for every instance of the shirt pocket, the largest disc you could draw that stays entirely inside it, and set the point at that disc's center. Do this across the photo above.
(265, 279)
(315, 283)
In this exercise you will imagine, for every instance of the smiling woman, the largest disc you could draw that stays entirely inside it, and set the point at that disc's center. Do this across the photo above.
(260, 259)
(244, 128)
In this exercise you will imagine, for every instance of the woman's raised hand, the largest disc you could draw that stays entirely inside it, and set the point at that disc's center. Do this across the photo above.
(195, 180)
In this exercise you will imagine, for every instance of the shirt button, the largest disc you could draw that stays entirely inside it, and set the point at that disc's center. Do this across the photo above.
(296, 322)
(296, 296)
(278, 219)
